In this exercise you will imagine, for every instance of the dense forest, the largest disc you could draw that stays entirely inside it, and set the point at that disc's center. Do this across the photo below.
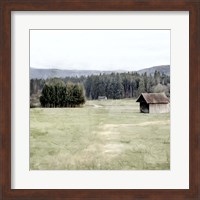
(113, 86)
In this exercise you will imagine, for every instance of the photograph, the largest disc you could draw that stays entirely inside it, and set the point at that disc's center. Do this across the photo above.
(99, 99)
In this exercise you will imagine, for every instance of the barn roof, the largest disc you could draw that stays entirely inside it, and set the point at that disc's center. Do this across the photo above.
(153, 98)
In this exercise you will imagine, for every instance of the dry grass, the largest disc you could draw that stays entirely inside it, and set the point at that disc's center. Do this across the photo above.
(103, 135)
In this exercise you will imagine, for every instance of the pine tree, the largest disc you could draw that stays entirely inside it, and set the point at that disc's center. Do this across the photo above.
(141, 88)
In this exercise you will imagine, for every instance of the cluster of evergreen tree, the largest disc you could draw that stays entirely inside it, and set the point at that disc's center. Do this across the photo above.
(56, 93)
(113, 86)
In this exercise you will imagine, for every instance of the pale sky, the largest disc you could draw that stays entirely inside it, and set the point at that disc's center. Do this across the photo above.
(99, 49)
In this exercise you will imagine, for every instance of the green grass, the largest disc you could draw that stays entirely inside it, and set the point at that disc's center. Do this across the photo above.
(103, 135)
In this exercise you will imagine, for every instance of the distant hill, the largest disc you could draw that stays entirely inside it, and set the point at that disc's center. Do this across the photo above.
(162, 69)
(58, 73)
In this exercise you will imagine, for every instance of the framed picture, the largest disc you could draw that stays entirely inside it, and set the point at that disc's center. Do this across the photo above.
(100, 100)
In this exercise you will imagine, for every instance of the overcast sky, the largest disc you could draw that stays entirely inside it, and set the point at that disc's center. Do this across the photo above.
(99, 49)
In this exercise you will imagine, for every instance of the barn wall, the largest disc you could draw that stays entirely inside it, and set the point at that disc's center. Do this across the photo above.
(159, 108)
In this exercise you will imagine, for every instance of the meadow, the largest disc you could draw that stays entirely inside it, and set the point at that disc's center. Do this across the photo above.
(101, 135)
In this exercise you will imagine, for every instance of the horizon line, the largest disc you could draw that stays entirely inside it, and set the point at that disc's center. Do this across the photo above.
(98, 69)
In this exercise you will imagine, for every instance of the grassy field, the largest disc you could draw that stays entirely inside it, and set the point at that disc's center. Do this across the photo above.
(103, 135)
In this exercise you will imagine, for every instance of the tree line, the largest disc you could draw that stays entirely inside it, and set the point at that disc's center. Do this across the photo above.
(113, 86)
(56, 93)
(125, 85)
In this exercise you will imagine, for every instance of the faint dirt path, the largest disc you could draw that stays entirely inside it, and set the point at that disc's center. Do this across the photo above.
(97, 106)
(111, 134)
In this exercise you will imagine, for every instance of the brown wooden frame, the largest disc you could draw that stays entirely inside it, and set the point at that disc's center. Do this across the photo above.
(6, 6)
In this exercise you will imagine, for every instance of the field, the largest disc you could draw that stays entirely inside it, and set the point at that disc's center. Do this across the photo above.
(102, 135)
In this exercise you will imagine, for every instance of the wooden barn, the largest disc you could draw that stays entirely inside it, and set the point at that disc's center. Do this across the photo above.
(102, 98)
(153, 103)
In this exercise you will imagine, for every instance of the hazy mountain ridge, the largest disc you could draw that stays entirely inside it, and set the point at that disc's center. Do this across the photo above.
(162, 69)
(58, 73)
